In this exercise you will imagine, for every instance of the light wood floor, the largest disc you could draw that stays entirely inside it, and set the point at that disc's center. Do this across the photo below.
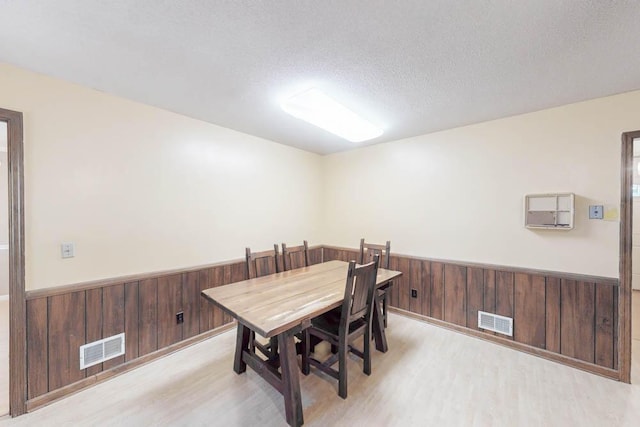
(4, 356)
(430, 376)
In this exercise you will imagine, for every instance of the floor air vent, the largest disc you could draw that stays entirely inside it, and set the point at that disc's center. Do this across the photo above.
(495, 323)
(101, 350)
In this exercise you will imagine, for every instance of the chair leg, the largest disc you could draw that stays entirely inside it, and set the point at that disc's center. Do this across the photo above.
(343, 348)
(367, 354)
(384, 309)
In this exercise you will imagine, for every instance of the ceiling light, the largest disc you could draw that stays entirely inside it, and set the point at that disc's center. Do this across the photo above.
(320, 110)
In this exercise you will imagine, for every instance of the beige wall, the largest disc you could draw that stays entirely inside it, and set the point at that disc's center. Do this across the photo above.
(139, 189)
(458, 194)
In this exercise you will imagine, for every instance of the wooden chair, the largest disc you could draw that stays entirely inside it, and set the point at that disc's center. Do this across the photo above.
(295, 256)
(353, 321)
(367, 252)
(262, 264)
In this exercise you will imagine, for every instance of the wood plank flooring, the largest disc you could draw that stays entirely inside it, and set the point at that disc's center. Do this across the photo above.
(430, 376)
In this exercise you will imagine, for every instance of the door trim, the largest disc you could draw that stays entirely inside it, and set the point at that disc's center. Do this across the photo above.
(17, 302)
(626, 242)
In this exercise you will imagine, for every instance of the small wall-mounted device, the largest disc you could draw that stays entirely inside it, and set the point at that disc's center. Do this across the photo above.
(551, 211)
(67, 250)
(596, 211)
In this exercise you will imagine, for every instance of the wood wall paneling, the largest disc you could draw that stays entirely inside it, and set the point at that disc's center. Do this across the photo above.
(490, 293)
(615, 333)
(235, 272)
(37, 347)
(576, 319)
(455, 294)
(131, 321)
(604, 321)
(191, 304)
(148, 316)
(404, 288)
(437, 290)
(393, 295)
(169, 305)
(475, 295)
(416, 283)
(315, 256)
(66, 335)
(206, 308)
(93, 317)
(577, 311)
(216, 278)
(552, 315)
(425, 309)
(113, 318)
(504, 294)
(529, 321)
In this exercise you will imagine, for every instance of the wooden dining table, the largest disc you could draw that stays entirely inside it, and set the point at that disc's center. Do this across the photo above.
(281, 305)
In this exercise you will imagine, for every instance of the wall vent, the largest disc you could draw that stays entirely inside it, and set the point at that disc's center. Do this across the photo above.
(101, 350)
(495, 323)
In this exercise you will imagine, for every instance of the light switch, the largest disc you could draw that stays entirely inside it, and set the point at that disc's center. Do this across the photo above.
(596, 211)
(68, 250)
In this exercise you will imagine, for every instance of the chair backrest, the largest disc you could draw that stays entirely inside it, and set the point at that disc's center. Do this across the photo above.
(295, 256)
(358, 293)
(262, 263)
(369, 250)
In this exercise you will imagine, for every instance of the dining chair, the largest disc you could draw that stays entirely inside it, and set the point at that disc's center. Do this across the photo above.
(340, 331)
(295, 256)
(367, 252)
(262, 264)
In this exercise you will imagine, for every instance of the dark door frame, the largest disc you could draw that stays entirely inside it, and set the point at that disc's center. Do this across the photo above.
(626, 230)
(17, 302)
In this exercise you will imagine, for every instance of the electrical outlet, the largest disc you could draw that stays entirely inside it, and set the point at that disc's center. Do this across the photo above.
(414, 293)
(180, 318)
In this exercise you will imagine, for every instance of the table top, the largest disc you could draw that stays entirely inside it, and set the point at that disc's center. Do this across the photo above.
(272, 304)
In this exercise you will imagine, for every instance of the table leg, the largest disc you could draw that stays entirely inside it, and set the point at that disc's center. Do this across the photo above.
(290, 379)
(242, 343)
(378, 327)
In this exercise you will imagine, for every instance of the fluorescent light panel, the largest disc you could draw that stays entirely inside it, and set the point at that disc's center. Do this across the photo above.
(315, 107)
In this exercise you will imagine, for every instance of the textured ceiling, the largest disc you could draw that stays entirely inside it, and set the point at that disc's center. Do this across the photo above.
(413, 67)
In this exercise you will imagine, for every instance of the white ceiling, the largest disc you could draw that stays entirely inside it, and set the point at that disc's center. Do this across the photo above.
(413, 67)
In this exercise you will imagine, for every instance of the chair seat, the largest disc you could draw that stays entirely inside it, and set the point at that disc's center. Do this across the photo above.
(330, 323)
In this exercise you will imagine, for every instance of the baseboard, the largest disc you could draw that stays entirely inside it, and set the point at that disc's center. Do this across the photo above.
(55, 395)
(4, 297)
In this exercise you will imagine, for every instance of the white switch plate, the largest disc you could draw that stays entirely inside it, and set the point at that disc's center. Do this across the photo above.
(68, 250)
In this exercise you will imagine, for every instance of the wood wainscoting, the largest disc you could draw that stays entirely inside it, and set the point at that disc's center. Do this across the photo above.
(144, 307)
(568, 318)
(564, 317)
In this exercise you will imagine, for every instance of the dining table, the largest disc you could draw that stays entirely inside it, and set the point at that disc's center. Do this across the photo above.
(281, 305)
